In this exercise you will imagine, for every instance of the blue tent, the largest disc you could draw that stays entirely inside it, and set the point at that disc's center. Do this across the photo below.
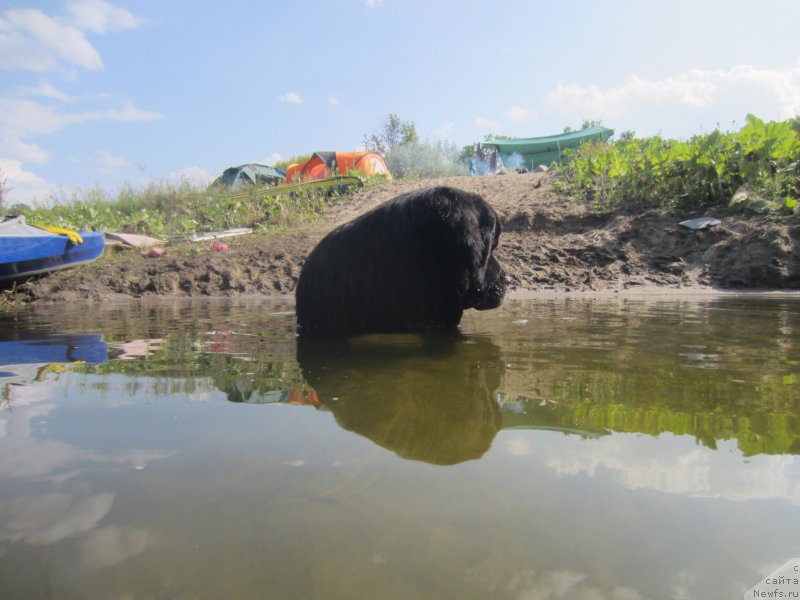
(250, 174)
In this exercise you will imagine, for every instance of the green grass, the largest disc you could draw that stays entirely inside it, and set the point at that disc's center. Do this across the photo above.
(173, 212)
(707, 170)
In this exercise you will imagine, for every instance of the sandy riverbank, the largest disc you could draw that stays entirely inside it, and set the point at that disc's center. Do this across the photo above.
(550, 244)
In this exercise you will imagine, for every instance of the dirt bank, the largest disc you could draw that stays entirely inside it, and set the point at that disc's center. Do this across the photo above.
(548, 243)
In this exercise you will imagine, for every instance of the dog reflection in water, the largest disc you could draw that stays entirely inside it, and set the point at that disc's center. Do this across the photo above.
(426, 397)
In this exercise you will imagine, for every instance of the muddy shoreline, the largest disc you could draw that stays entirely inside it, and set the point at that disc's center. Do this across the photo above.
(550, 245)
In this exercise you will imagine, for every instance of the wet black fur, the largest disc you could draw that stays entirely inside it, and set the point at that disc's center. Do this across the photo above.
(415, 262)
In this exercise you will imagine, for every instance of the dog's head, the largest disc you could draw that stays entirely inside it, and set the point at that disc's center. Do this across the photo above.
(488, 280)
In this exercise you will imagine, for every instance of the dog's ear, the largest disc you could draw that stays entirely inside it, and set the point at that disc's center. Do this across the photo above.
(472, 237)
(483, 267)
(488, 232)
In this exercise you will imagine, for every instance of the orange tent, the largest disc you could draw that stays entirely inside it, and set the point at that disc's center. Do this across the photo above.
(329, 164)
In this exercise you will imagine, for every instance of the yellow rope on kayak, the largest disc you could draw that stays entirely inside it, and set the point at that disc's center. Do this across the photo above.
(73, 236)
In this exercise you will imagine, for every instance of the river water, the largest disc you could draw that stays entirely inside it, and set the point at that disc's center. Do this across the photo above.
(581, 448)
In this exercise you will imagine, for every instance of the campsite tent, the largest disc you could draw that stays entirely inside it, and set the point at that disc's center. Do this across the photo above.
(250, 174)
(328, 164)
(529, 153)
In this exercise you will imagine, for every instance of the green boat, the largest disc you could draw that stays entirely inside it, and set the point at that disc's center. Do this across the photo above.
(529, 153)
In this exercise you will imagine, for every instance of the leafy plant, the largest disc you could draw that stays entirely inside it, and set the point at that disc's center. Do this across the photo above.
(705, 170)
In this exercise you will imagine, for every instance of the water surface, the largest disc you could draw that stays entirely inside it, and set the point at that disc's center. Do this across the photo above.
(558, 448)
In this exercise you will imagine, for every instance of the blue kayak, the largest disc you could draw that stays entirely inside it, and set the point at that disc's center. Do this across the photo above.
(26, 251)
(23, 361)
(54, 348)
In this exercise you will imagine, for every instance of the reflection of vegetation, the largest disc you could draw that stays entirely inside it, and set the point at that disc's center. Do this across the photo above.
(761, 415)
(762, 425)
(243, 347)
(241, 366)
(687, 372)
(428, 398)
(715, 370)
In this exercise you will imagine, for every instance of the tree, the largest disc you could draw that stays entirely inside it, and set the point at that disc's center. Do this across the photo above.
(586, 124)
(394, 132)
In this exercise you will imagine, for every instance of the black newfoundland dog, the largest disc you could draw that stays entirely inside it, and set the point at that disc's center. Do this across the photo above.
(415, 262)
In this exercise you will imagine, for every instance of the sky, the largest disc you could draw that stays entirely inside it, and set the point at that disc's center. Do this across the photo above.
(115, 93)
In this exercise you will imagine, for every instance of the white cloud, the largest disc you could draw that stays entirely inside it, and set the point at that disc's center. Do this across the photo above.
(194, 176)
(14, 147)
(519, 114)
(519, 446)
(99, 16)
(32, 40)
(486, 124)
(35, 41)
(23, 117)
(616, 101)
(669, 464)
(272, 158)
(24, 186)
(47, 519)
(373, 3)
(334, 99)
(291, 98)
(745, 88)
(20, 117)
(128, 113)
(43, 90)
(111, 161)
(112, 545)
(445, 129)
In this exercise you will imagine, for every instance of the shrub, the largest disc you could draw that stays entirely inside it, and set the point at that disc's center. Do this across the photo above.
(419, 160)
(705, 170)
